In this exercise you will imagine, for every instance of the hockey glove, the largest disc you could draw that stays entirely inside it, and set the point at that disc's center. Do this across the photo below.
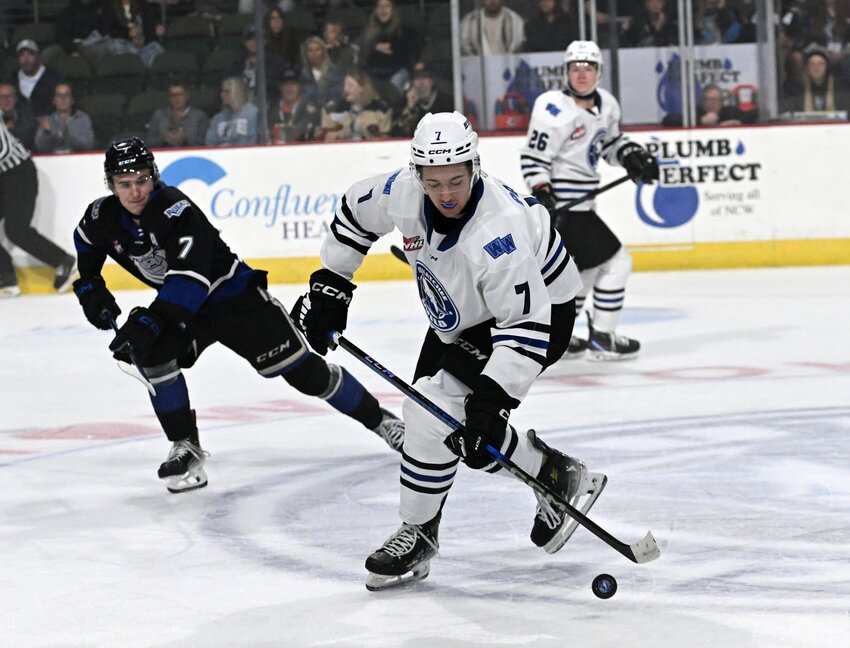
(139, 333)
(95, 298)
(487, 411)
(544, 196)
(324, 308)
(638, 163)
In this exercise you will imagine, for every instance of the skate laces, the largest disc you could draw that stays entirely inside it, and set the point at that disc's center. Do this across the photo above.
(392, 429)
(547, 513)
(181, 448)
(403, 540)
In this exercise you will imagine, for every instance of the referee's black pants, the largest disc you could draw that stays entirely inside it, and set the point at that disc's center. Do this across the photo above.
(18, 190)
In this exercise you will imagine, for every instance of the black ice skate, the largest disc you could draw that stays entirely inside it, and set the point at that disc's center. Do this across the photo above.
(183, 470)
(604, 346)
(391, 430)
(571, 480)
(576, 348)
(405, 556)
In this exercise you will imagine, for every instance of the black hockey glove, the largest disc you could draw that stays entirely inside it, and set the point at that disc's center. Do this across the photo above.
(638, 163)
(544, 196)
(95, 298)
(487, 411)
(324, 308)
(139, 333)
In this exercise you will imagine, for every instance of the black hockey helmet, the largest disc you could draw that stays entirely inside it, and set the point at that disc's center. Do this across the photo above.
(128, 155)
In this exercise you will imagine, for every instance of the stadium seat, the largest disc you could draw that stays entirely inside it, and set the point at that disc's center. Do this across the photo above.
(206, 98)
(141, 107)
(42, 33)
(191, 34)
(119, 73)
(218, 64)
(170, 64)
(107, 114)
(75, 70)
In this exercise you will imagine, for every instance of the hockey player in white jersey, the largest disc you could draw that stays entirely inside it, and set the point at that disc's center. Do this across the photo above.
(569, 132)
(498, 288)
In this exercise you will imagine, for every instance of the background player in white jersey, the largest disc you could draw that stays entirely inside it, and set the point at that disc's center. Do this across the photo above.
(205, 294)
(569, 132)
(498, 288)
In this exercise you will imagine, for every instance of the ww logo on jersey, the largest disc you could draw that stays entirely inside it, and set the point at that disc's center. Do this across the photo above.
(499, 246)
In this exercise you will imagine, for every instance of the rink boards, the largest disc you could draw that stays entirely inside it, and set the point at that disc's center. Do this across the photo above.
(728, 197)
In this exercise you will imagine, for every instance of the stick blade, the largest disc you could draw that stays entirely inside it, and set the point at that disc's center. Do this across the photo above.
(645, 550)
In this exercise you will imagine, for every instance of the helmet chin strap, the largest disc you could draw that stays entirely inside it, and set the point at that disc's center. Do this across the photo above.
(580, 96)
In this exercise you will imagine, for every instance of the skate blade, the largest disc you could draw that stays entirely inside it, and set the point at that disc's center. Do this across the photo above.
(593, 488)
(191, 480)
(608, 356)
(378, 582)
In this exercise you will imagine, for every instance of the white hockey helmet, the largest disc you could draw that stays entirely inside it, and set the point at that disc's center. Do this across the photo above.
(444, 138)
(580, 50)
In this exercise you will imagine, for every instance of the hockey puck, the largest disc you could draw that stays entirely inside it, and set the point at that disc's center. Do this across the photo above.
(604, 586)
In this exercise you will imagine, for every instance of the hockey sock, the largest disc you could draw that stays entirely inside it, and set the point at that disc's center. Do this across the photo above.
(347, 395)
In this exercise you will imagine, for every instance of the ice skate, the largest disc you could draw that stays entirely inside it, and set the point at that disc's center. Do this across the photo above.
(183, 470)
(604, 347)
(405, 556)
(66, 272)
(569, 478)
(576, 348)
(391, 430)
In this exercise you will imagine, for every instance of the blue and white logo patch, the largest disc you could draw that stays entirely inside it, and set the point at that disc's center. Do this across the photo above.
(499, 246)
(176, 209)
(439, 307)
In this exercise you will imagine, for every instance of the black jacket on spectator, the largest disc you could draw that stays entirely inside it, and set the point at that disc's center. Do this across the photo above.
(79, 19)
(41, 99)
(642, 33)
(543, 36)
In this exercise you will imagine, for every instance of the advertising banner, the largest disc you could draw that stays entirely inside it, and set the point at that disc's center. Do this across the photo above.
(499, 91)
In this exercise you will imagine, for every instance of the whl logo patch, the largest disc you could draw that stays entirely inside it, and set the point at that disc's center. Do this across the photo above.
(413, 243)
(499, 246)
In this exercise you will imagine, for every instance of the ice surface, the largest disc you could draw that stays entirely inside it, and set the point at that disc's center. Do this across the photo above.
(729, 438)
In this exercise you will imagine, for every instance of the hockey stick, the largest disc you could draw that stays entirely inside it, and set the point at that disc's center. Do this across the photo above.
(136, 369)
(398, 253)
(640, 552)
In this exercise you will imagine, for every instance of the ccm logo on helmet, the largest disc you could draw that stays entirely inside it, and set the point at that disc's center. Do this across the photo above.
(438, 151)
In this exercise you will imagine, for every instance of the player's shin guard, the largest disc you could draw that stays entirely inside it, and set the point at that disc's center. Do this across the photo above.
(405, 556)
(569, 478)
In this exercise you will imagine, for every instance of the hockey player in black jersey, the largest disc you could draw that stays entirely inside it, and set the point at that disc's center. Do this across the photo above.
(205, 294)
(498, 289)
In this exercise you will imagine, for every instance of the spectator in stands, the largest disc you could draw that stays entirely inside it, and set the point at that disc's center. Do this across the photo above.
(386, 48)
(652, 27)
(76, 22)
(422, 97)
(236, 123)
(713, 110)
(17, 115)
(248, 67)
(34, 81)
(550, 29)
(342, 53)
(360, 114)
(502, 29)
(135, 44)
(292, 117)
(120, 15)
(178, 124)
(820, 90)
(321, 80)
(716, 23)
(281, 40)
(66, 129)
(830, 30)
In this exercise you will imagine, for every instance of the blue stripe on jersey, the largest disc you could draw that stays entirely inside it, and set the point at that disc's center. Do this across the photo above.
(234, 286)
(364, 198)
(81, 245)
(389, 183)
(182, 291)
(540, 344)
(427, 478)
(555, 256)
(531, 201)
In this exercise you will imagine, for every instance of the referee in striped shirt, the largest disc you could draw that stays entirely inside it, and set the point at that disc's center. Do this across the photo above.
(18, 190)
